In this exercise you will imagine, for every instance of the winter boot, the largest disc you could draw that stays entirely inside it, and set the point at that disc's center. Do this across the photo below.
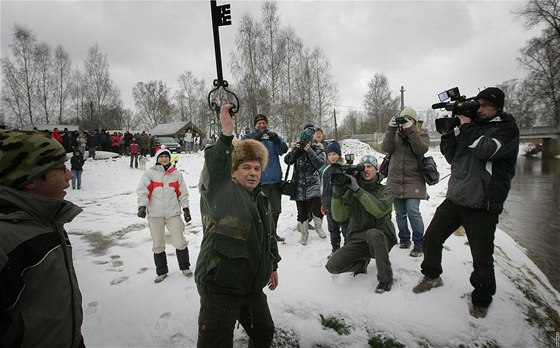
(303, 227)
(319, 226)
(183, 259)
(161, 266)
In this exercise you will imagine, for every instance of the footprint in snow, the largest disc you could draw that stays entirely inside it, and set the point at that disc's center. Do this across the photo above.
(161, 324)
(142, 270)
(118, 280)
(92, 307)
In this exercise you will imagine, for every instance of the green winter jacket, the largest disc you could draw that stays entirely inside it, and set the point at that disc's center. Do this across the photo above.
(40, 302)
(369, 207)
(238, 252)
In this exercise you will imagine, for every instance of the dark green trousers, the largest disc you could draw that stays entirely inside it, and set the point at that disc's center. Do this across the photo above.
(218, 314)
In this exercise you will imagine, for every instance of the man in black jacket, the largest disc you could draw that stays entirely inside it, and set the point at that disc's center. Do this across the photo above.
(482, 156)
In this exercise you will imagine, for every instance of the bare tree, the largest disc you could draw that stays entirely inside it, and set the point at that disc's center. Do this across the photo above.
(99, 87)
(45, 81)
(379, 103)
(152, 102)
(351, 124)
(62, 77)
(542, 57)
(20, 74)
(13, 101)
(536, 12)
(190, 97)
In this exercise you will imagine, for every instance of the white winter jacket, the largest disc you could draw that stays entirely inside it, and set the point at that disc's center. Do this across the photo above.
(163, 193)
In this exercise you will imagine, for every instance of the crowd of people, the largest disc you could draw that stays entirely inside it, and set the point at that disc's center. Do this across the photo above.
(241, 188)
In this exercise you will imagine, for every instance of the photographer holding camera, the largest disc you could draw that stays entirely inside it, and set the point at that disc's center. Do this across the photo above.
(406, 143)
(367, 204)
(307, 159)
(482, 156)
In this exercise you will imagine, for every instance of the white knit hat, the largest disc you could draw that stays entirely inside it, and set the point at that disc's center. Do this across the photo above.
(163, 149)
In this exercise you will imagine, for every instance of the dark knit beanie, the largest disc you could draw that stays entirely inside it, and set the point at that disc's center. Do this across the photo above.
(260, 117)
(334, 146)
(493, 95)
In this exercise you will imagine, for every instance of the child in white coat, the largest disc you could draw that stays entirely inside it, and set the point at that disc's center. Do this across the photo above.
(162, 195)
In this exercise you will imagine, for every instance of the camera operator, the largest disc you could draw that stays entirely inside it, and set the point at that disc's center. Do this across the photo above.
(406, 143)
(367, 204)
(482, 156)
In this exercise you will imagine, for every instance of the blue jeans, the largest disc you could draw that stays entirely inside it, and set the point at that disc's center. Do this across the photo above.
(408, 209)
(76, 178)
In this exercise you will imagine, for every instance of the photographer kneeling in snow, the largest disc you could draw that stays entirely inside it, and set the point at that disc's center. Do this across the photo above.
(238, 255)
(367, 204)
(162, 193)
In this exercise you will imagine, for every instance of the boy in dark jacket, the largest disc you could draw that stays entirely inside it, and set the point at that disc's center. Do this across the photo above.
(77, 164)
(238, 255)
(41, 302)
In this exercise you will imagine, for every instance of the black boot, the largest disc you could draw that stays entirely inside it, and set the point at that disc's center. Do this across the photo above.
(183, 258)
(161, 263)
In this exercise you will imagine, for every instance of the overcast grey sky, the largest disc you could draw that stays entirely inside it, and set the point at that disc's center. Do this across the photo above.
(425, 46)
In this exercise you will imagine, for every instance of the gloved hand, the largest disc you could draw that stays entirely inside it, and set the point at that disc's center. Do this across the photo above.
(408, 123)
(187, 214)
(141, 212)
(338, 191)
(257, 136)
(393, 122)
(353, 183)
(274, 138)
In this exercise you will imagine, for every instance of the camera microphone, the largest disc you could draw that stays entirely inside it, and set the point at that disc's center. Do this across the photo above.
(438, 105)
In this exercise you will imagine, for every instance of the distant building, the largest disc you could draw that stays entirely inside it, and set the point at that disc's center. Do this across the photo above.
(176, 130)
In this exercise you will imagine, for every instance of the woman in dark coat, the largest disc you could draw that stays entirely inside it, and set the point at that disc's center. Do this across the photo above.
(307, 158)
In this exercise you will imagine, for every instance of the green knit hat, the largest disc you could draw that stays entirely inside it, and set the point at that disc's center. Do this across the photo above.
(25, 156)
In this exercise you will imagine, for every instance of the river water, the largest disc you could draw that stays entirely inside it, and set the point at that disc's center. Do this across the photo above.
(531, 213)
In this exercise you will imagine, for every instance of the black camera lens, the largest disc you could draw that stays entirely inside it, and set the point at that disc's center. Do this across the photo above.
(401, 120)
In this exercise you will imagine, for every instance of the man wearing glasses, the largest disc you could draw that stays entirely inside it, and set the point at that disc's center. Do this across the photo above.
(41, 301)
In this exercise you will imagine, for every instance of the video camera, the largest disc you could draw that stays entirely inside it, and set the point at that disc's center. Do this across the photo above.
(458, 105)
(339, 175)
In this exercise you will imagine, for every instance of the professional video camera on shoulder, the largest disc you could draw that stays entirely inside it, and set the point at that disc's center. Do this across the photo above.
(339, 175)
(458, 105)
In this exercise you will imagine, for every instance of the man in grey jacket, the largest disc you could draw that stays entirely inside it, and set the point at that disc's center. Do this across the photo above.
(40, 301)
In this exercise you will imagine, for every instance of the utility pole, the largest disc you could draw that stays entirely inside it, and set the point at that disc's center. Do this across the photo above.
(335, 126)
(402, 97)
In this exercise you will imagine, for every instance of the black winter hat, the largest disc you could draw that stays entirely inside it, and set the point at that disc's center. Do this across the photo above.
(260, 117)
(493, 95)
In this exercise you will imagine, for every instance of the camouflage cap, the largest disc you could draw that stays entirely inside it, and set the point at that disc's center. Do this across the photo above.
(25, 156)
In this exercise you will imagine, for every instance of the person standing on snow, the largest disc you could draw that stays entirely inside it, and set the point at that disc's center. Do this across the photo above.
(163, 196)
(271, 178)
(238, 255)
(406, 143)
(483, 156)
(308, 159)
(41, 303)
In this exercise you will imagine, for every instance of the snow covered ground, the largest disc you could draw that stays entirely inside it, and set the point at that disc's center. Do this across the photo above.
(123, 307)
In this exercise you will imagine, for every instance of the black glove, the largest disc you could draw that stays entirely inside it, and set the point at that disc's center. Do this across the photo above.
(141, 212)
(274, 138)
(352, 183)
(338, 191)
(257, 136)
(187, 214)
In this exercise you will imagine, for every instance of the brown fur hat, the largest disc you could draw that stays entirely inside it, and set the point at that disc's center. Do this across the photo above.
(249, 150)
